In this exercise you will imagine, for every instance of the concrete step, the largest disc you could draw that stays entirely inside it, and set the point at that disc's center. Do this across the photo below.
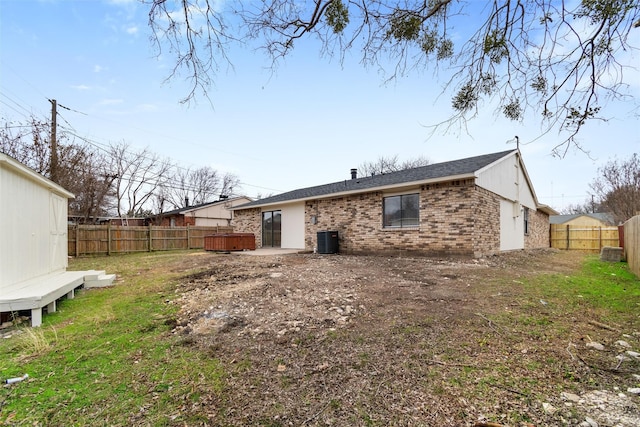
(93, 274)
(99, 281)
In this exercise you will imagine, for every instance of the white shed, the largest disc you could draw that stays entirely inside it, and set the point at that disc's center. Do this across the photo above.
(33, 243)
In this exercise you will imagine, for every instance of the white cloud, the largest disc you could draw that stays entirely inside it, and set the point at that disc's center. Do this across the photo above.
(132, 30)
(80, 87)
(97, 68)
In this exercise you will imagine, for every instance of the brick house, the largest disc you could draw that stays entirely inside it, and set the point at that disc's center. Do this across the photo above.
(469, 207)
(210, 214)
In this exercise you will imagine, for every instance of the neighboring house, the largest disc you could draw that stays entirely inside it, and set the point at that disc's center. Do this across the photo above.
(584, 220)
(107, 220)
(33, 243)
(470, 207)
(210, 214)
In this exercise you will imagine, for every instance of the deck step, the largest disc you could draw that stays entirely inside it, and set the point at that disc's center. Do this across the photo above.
(93, 274)
(99, 280)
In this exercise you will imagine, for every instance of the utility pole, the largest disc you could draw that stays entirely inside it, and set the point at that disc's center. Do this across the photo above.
(53, 170)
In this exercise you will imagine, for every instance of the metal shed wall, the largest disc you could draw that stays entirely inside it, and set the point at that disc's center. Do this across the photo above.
(33, 224)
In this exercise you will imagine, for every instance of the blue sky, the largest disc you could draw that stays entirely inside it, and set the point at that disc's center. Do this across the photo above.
(307, 124)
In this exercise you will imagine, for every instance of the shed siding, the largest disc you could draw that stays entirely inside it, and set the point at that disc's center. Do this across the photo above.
(587, 221)
(29, 246)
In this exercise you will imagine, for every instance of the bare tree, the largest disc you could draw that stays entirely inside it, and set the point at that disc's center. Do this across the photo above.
(390, 164)
(200, 185)
(589, 206)
(86, 174)
(562, 60)
(139, 174)
(80, 170)
(230, 182)
(618, 187)
(28, 143)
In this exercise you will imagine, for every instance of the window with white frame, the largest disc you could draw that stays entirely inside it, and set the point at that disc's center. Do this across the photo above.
(401, 211)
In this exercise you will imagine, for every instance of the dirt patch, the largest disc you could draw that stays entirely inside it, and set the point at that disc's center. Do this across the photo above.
(354, 340)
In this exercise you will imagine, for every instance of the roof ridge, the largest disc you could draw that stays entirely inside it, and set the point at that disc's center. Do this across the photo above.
(450, 168)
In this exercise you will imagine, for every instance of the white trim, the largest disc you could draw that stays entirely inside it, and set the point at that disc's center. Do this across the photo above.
(29, 173)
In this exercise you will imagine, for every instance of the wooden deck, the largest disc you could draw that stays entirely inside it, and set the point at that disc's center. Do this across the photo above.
(44, 291)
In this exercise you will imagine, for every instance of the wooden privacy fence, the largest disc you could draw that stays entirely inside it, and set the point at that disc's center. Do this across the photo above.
(583, 238)
(109, 239)
(632, 244)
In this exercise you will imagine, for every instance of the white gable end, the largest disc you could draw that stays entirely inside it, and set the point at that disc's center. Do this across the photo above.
(508, 178)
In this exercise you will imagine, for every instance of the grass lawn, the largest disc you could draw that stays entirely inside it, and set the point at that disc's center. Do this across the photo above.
(107, 357)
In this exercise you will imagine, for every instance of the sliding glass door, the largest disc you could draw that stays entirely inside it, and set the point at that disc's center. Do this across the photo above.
(271, 229)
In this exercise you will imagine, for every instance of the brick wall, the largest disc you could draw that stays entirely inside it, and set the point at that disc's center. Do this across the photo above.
(538, 235)
(456, 218)
(180, 221)
(486, 239)
(249, 221)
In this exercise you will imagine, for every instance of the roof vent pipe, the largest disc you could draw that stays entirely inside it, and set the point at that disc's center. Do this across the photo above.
(186, 202)
(354, 173)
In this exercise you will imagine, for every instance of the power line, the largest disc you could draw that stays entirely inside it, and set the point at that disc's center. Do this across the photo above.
(106, 148)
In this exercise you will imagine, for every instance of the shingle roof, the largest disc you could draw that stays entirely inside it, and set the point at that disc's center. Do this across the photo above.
(198, 206)
(430, 172)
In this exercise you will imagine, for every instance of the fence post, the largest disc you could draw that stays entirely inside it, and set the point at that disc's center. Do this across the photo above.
(150, 237)
(109, 238)
(600, 238)
(188, 236)
(568, 236)
(77, 239)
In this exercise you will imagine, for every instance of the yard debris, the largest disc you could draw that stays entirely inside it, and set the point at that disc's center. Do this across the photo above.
(603, 326)
(317, 340)
(16, 379)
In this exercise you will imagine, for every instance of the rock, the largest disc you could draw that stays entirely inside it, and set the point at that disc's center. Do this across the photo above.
(633, 390)
(570, 397)
(633, 354)
(589, 422)
(622, 343)
(549, 408)
(595, 345)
